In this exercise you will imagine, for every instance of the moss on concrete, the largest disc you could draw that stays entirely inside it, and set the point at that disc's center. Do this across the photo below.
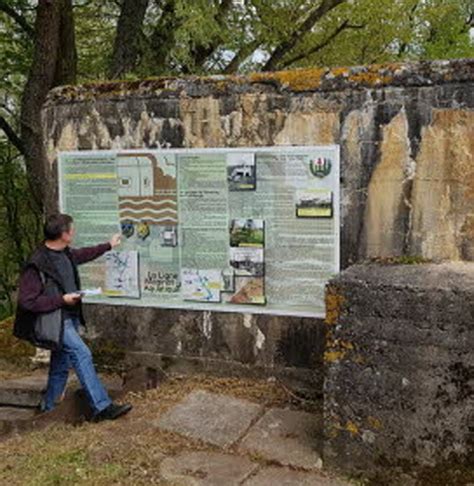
(334, 304)
(297, 80)
(401, 260)
(107, 355)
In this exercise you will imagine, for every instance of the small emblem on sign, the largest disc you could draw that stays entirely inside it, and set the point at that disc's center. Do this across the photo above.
(320, 166)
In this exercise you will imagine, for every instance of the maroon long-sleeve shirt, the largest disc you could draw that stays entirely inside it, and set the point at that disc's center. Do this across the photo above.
(31, 294)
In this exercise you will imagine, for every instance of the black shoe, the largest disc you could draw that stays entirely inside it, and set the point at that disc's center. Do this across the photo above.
(112, 412)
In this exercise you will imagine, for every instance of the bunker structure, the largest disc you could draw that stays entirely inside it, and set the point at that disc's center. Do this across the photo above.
(393, 359)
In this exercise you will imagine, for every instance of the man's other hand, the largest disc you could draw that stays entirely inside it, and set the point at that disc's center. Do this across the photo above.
(72, 299)
(115, 240)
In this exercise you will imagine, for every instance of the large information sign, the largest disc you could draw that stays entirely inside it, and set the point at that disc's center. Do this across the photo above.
(246, 230)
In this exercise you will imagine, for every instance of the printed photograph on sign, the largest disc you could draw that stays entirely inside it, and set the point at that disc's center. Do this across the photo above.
(168, 236)
(241, 172)
(247, 233)
(228, 280)
(121, 274)
(314, 203)
(247, 261)
(201, 285)
(248, 290)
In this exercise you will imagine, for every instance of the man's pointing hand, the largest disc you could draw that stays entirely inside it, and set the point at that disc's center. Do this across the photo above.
(115, 240)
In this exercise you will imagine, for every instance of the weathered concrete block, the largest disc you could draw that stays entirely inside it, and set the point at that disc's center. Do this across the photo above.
(286, 437)
(23, 392)
(216, 419)
(207, 469)
(399, 387)
(13, 419)
(28, 391)
(212, 341)
(272, 476)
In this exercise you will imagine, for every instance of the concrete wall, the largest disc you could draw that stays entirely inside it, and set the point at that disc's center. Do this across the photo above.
(400, 372)
(290, 348)
(406, 134)
(407, 141)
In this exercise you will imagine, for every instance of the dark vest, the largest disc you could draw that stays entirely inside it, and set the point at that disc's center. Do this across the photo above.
(53, 285)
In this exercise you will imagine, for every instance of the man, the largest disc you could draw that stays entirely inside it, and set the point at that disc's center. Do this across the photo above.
(50, 281)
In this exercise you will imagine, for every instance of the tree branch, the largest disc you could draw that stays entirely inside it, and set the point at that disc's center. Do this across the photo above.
(317, 14)
(297, 57)
(18, 18)
(240, 57)
(163, 37)
(411, 18)
(11, 135)
(201, 52)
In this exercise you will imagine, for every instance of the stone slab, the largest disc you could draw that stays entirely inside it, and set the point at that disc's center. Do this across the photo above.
(15, 414)
(14, 419)
(273, 476)
(207, 469)
(288, 437)
(23, 392)
(28, 391)
(217, 419)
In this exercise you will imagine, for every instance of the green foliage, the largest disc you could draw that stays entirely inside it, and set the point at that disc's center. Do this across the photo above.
(372, 31)
(446, 32)
(15, 59)
(15, 55)
(95, 30)
(20, 227)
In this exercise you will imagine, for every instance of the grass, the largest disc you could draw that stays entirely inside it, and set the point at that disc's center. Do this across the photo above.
(56, 467)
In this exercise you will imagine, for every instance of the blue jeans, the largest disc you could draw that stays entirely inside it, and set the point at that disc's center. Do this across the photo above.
(74, 353)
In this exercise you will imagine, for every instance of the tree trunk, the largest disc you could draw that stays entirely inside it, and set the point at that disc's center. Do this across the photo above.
(163, 38)
(54, 61)
(66, 65)
(127, 40)
(286, 46)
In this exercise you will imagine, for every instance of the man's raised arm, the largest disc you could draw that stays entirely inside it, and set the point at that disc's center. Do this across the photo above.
(89, 253)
